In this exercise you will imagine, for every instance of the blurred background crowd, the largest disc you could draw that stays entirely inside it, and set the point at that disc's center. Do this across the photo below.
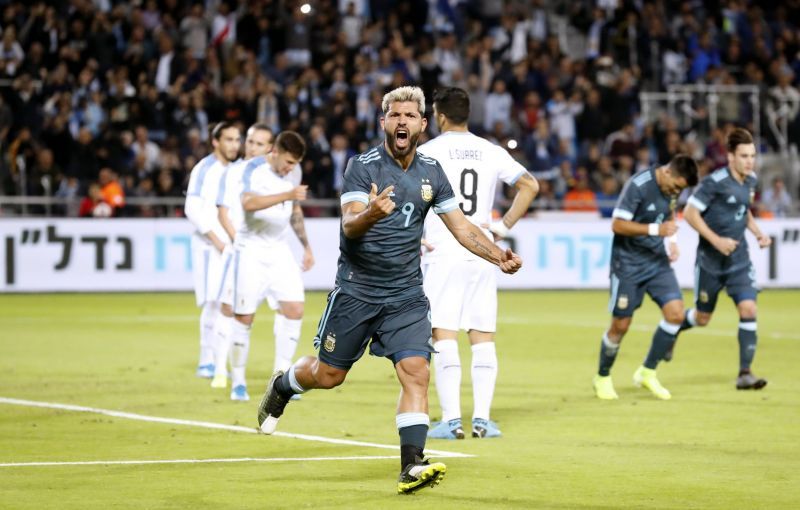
(107, 104)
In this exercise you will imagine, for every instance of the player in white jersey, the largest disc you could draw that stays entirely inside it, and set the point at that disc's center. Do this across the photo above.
(461, 287)
(209, 241)
(258, 143)
(264, 266)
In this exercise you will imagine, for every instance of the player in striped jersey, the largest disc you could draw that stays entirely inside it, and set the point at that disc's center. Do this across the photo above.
(210, 240)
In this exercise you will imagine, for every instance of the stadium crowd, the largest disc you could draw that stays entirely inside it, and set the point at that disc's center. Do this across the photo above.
(106, 99)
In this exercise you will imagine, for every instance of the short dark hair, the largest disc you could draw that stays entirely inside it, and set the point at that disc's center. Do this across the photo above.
(291, 142)
(216, 131)
(686, 167)
(739, 136)
(453, 103)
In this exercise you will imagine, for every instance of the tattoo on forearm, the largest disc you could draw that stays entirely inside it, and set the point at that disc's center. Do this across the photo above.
(299, 227)
(479, 245)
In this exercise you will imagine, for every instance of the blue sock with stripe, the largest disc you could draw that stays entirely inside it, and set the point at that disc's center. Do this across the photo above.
(689, 319)
(608, 354)
(413, 430)
(663, 338)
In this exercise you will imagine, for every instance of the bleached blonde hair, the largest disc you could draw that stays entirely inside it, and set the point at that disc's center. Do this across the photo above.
(403, 95)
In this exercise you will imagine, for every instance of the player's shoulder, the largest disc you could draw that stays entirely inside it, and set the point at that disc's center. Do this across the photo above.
(718, 175)
(372, 156)
(642, 178)
(205, 163)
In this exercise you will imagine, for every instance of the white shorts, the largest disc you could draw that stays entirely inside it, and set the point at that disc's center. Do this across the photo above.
(462, 293)
(207, 270)
(265, 273)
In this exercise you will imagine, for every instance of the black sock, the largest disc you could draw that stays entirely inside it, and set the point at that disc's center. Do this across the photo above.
(747, 343)
(608, 353)
(663, 339)
(284, 387)
(410, 454)
(688, 319)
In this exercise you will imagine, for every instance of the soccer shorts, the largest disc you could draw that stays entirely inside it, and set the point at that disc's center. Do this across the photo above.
(348, 325)
(462, 293)
(265, 272)
(741, 286)
(627, 295)
(207, 269)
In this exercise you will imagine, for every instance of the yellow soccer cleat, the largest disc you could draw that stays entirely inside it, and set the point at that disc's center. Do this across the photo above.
(604, 387)
(219, 381)
(420, 475)
(647, 377)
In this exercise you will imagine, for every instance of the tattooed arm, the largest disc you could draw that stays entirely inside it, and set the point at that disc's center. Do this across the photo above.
(472, 238)
(299, 227)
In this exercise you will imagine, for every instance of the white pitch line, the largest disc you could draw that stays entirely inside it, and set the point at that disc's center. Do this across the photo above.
(209, 425)
(190, 461)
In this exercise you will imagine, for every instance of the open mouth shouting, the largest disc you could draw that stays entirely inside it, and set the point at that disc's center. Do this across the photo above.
(401, 139)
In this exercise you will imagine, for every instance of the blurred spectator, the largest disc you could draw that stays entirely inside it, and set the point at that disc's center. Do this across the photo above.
(783, 107)
(497, 109)
(608, 195)
(580, 197)
(111, 190)
(93, 205)
(775, 200)
(540, 148)
(147, 150)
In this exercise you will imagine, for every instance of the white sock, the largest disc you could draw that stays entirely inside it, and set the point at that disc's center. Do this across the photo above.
(287, 334)
(207, 318)
(447, 367)
(484, 376)
(222, 337)
(240, 348)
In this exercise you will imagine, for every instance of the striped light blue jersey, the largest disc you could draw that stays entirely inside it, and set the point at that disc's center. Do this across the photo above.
(638, 258)
(384, 264)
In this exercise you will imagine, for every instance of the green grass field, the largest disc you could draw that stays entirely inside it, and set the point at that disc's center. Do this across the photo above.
(709, 447)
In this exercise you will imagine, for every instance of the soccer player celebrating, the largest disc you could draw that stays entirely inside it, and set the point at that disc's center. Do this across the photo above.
(640, 263)
(719, 209)
(379, 301)
(462, 287)
(209, 240)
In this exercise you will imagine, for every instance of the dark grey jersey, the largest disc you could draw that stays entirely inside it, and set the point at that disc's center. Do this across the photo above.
(383, 264)
(723, 203)
(639, 257)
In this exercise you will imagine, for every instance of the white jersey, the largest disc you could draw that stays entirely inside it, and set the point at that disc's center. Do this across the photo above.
(271, 224)
(201, 197)
(473, 166)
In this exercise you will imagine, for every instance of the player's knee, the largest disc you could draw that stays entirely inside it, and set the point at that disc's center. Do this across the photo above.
(618, 328)
(747, 310)
(674, 316)
(292, 311)
(328, 377)
(702, 318)
(414, 372)
(247, 319)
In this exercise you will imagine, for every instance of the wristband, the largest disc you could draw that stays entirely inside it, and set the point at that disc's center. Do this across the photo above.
(499, 228)
(652, 229)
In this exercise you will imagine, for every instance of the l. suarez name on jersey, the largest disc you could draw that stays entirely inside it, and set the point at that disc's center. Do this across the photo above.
(466, 154)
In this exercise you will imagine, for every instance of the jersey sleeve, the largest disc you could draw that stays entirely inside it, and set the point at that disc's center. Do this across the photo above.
(510, 169)
(703, 195)
(444, 198)
(628, 201)
(357, 183)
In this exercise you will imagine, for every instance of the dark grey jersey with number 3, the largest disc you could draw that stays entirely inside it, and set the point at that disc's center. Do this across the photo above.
(639, 257)
(383, 265)
(723, 202)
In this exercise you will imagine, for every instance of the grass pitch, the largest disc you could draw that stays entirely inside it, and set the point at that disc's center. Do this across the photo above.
(709, 447)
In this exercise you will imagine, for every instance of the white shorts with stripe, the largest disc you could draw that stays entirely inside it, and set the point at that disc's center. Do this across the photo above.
(462, 293)
(270, 273)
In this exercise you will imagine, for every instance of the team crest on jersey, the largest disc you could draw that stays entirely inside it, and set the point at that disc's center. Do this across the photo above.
(427, 190)
(622, 302)
(330, 342)
(703, 296)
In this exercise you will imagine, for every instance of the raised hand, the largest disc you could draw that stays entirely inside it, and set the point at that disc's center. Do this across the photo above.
(380, 205)
(299, 193)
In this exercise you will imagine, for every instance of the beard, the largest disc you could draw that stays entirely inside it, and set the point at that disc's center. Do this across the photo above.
(397, 152)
